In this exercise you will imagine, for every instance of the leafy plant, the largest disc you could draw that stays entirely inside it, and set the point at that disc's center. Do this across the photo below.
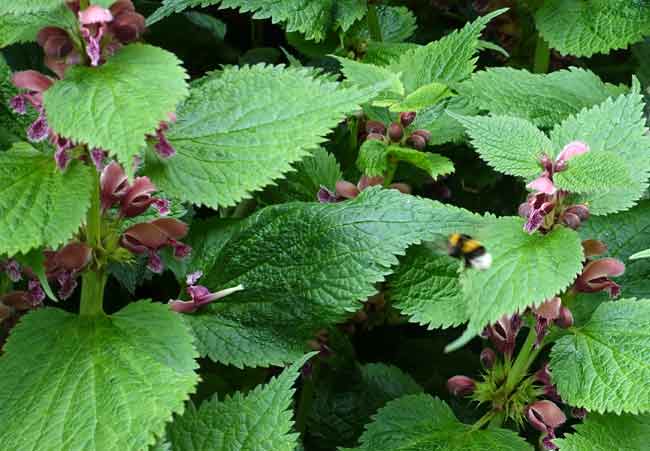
(324, 224)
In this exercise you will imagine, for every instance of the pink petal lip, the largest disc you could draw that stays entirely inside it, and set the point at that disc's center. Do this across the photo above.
(95, 14)
(573, 149)
(542, 184)
(31, 80)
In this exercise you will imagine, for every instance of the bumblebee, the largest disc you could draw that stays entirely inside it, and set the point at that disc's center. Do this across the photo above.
(470, 250)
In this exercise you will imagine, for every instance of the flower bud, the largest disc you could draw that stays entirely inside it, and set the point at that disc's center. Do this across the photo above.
(425, 134)
(114, 185)
(375, 127)
(545, 415)
(366, 181)
(346, 189)
(73, 256)
(543, 375)
(122, 6)
(31, 80)
(417, 142)
(571, 220)
(395, 132)
(488, 357)
(580, 210)
(128, 27)
(461, 385)
(406, 118)
(565, 320)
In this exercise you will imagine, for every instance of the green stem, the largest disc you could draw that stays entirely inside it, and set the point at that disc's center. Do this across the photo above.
(523, 362)
(497, 420)
(94, 279)
(485, 419)
(390, 173)
(542, 56)
(306, 400)
(244, 208)
(373, 24)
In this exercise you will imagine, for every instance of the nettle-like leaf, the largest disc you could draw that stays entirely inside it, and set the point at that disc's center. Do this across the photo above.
(397, 24)
(39, 205)
(423, 97)
(241, 129)
(115, 105)
(420, 422)
(581, 28)
(375, 157)
(29, 6)
(344, 401)
(616, 126)
(594, 172)
(443, 127)
(106, 383)
(364, 75)
(23, 27)
(603, 365)
(448, 60)
(384, 53)
(543, 99)
(607, 433)
(258, 421)
(313, 18)
(426, 287)
(306, 266)
(509, 144)
(527, 270)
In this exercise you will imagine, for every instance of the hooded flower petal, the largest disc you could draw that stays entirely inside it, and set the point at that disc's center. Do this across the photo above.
(325, 196)
(461, 385)
(98, 156)
(95, 14)
(571, 150)
(346, 189)
(592, 248)
(31, 80)
(595, 276)
(114, 185)
(138, 198)
(542, 184)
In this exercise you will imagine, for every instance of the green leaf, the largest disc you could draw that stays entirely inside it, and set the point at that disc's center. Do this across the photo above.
(420, 422)
(397, 24)
(258, 421)
(616, 126)
(581, 28)
(423, 97)
(384, 53)
(365, 75)
(115, 105)
(106, 383)
(543, 99)
(601, 366)
(318, 169)
(594, 172)
(313, 18)
(439, 121)
(344, 401)
(508, 144)
(23, 27)
(29, 6)
(426, 287)
(375, 157)
(527, 270)
(624, 234)
(642, 254)
(306, 266)
(39, 205)
(448, 60)
(607, 433)
(241, 130)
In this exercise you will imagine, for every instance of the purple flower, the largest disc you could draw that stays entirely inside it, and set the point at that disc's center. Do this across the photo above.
(161, 206)
(66, 264)
(487, 358)
(200, 295)
(36, 292)
(596, 276)
(325, 196)
(155, 264)
(138, 198)
(546, 416)
(114, 185)
(545, 314)
(98, 156)
(19, 104)
(68, 283)
(93, 22)
(163, 146)
(39, 130)
(12, 269)
(503, 333)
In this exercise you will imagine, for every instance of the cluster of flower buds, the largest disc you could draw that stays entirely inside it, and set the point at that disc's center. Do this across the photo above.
(66, 264)
(544, 207)
(347, 190)
(461, 385)
(596, 274)
(15, 303)
(549, 312)
(503, 333)
(376, 130)
(546, 416)
(199, 295)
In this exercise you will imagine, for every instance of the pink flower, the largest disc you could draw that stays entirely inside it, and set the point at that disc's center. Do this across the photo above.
(347, 190)
(596, 276)
(150, 237)
(200, 295)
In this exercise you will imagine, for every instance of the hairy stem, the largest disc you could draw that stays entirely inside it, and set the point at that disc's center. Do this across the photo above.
(524, 359)
(485, 419)
(542, 56)
(373, 23)
(94, 279)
